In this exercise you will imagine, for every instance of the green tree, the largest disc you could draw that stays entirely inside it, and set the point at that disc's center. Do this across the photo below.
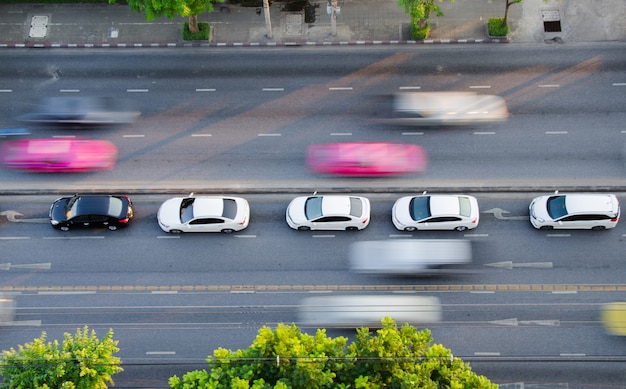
(171, 8)
(81, 362)
(420, 11)
(284, 358)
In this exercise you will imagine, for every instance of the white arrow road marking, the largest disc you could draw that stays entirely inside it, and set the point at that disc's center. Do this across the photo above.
(40, 266)
(500, 214)
(515, 322)
(13, 216)
(510, 265)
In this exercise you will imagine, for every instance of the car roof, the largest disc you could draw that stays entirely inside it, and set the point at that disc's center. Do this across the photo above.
(97, 205)
(583, 203)
(208, 206)
(444, 205)
(336, 205)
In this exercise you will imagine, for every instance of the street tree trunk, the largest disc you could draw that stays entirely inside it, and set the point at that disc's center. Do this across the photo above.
(193, 24)
(506, 10)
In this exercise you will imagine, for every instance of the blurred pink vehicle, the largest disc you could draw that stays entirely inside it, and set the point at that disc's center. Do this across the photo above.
(58, 155)
(366, 159)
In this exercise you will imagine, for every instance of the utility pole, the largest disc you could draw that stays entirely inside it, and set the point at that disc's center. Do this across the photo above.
(268, 19)
(333, 10)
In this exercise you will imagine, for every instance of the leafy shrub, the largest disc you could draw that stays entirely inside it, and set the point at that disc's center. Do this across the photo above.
(201, 35)
(419, 34)
(495, 27)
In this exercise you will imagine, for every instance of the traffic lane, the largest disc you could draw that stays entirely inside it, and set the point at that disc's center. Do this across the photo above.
(506, 250)
(499, 324)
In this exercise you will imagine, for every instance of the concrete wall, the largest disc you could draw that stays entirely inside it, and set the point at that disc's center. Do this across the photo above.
(581, 20)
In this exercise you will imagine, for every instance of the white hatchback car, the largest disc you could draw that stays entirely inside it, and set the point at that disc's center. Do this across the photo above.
(435, 212)
(574, 211)
(204, 214)
(328, 213)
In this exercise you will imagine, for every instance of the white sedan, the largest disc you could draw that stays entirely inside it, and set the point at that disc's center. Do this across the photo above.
(328, 213)
(204, 214)
(590, 211)
(435, 212)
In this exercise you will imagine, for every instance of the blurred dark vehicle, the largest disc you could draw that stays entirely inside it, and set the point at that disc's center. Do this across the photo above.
(78, 110)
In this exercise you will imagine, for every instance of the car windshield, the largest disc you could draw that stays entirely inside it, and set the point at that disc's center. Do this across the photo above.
(313, 207)
(556, 207)
(465, 207)
(186, 209)
(419, 208)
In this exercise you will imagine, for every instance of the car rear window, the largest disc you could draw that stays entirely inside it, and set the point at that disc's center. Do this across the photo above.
(356, 207)
(419, 208)
(230, 208)
(556, 207)
(465, 207)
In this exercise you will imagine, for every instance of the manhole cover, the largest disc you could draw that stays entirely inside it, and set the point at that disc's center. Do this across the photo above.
(38, 26)
(293, 24)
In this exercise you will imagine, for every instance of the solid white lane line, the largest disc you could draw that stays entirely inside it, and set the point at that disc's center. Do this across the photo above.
(73, 237)
(13, 237)
(273, 89)
(133, 136)
(198, 135)
(160, 352)
(69, 90)
(323, 236)
(205, 89)
(6, 90)
(573, 354)
(486, 354)
(340, 134)
(410, 87)
(476, 235)
(484, 132)
(619, 84)
(168, 237)
(549, 86)
(268, 134)
(64, 136)
(400, 235)
(245, 236)
(137, 90)
(412, 133)
(558, 235)
(480, 86)
(340, 88)
(556, 132)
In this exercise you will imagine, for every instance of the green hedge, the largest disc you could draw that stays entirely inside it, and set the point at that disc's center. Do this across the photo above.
(201, 35)
(495, 27)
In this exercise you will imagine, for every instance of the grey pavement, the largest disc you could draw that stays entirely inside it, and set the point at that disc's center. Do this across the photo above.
(359, 22)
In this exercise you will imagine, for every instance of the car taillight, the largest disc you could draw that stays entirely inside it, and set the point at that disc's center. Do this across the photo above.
(615, 219)
(365, 221)
(474, 221)
(124, 220)
(243, 221)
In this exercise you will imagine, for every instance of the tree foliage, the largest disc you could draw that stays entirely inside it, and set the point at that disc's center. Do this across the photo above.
(284, 358)
(172, 8)
(81, 362)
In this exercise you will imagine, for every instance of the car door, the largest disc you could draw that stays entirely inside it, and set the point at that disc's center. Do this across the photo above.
(440, 223)
(332, 223)
(206, 224)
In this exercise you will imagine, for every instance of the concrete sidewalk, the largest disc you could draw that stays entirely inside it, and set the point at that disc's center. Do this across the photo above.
(359, 22)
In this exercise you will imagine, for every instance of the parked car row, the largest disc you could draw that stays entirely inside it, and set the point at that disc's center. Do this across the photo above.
(227, 214)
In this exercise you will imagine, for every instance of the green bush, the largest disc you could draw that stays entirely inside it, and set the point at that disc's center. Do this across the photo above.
(496, 28)
(202, 35)
(419, 34)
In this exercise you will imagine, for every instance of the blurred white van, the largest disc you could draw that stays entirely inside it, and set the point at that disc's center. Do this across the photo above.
(447, 108)
(353, 311)
(7, 309)
(410, 256)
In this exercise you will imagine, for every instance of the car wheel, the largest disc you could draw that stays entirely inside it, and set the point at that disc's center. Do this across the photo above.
(546, 228)
(64, 228)
(351, 228)
(228, 230)
(304, 228)
(461, 228)
(176, 231)
(410, 229)
(597, 228)
(112, 227)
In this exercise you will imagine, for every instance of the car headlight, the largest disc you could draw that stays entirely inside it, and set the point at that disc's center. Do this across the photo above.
(54, 222)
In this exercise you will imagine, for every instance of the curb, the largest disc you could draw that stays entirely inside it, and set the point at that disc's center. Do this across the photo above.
(14, 45)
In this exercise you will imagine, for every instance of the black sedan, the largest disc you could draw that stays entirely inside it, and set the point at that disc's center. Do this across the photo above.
(91, 211)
